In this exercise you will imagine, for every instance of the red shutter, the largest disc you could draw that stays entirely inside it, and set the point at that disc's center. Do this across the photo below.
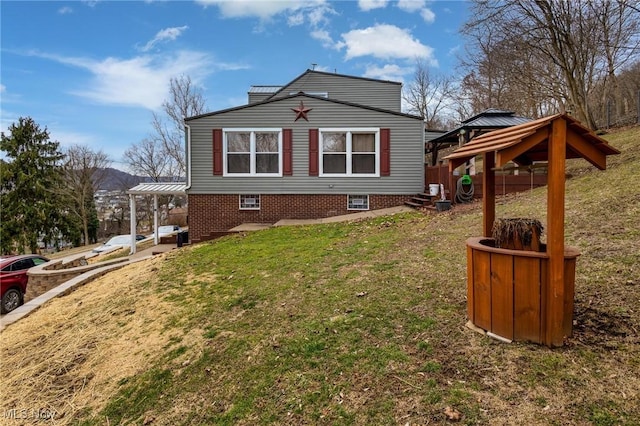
(287, 150)
(385, 152)
(313, 152)
(217, 152)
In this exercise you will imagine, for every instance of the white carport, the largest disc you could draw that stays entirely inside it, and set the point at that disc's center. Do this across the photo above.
(155, 189)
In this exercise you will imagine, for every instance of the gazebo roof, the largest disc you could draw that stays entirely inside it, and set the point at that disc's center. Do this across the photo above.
(487, 120)
(529, 142)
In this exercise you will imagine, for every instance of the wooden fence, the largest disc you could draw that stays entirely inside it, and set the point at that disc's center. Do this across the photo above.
(505, 183)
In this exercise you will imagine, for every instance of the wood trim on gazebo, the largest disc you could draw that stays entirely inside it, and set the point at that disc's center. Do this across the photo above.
(552, 139)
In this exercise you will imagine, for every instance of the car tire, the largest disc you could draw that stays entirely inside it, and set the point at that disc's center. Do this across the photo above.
(10, 301)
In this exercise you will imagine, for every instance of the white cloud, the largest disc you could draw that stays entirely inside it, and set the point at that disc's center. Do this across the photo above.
(296, 19)
(384, 42)
(411, 5)
(294, 12)
(163, 35)
(323, 68)
(141, 81)
(264, 10)
(367, 5)
(91, 3)
(68, 138)
(319, 15)
(65, 10)
(428, 15)
(390, 72)
(3, 88)
(324, 37)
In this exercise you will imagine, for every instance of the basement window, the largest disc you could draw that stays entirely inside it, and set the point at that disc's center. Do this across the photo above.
(357, 202)
(250, 202)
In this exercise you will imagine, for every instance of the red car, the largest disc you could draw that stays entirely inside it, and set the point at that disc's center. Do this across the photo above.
(13, 278)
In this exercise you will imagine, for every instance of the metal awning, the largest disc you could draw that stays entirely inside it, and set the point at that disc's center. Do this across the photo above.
(159, 188)
(155, 189)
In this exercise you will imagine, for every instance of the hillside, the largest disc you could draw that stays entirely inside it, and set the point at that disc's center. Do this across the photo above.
(350, 323)
(115, 179)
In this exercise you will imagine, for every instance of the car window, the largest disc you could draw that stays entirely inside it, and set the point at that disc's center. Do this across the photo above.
(39, 261)
(22, 264)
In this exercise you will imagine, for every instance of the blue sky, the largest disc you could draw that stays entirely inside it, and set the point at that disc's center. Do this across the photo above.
(93, 72)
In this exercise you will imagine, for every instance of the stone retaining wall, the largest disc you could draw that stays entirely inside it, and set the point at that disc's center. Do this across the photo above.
(43, 278)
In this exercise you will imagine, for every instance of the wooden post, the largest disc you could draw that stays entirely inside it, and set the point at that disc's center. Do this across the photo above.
(452, 184)
(488, 192)
(554, 315)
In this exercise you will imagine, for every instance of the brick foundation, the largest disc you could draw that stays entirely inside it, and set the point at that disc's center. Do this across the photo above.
(211, 213)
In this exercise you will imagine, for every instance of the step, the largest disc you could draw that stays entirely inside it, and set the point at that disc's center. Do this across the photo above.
(412, 204)
(421, 200)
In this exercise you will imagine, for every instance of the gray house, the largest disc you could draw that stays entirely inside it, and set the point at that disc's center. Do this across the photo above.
(322, 145)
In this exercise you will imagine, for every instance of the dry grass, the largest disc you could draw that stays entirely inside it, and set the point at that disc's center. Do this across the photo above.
(71, 355)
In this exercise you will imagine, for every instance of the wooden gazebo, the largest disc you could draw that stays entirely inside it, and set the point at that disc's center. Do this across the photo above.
(516, 294)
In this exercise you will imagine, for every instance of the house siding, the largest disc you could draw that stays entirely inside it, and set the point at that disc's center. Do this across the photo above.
(406, 149)
(373, 93)
(215, 213)
(258, 97)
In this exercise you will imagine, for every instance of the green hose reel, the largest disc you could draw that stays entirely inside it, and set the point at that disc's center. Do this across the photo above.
(466, 180)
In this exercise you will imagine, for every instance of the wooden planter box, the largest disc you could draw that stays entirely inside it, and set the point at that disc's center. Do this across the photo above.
(507, 289)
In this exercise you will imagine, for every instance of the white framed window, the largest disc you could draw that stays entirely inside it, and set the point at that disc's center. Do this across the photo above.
(357, 202)
(252, 152)
(250, 202)
(349, 152)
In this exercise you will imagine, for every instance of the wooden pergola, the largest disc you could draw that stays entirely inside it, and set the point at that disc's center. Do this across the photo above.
(552, 139)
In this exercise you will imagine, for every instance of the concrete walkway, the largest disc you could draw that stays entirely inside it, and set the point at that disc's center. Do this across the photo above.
(333, 219)
(68, 286)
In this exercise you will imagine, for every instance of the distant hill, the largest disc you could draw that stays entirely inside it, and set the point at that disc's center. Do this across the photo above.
(115, 179)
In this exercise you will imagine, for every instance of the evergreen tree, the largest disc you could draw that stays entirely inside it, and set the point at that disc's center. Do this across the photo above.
(31, 175)
(93, 223)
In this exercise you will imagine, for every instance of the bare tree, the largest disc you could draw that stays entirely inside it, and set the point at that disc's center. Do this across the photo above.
(428, 95)
(84, 171)
(185, 100)
(558, 50)
(147, 158)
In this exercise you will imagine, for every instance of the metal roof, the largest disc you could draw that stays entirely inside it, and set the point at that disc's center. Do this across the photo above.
(159, 188)
(488, 119)
(496, 121)
(264, 89)
(529, 142)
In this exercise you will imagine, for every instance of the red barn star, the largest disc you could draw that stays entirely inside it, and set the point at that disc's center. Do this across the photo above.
(301, 112)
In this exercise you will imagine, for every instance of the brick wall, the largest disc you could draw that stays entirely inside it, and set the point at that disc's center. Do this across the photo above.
(215, 213)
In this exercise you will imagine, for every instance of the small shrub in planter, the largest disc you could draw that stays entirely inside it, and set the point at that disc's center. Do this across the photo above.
(517, 234)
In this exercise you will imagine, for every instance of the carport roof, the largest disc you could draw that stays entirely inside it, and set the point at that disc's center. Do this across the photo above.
(159, 188)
